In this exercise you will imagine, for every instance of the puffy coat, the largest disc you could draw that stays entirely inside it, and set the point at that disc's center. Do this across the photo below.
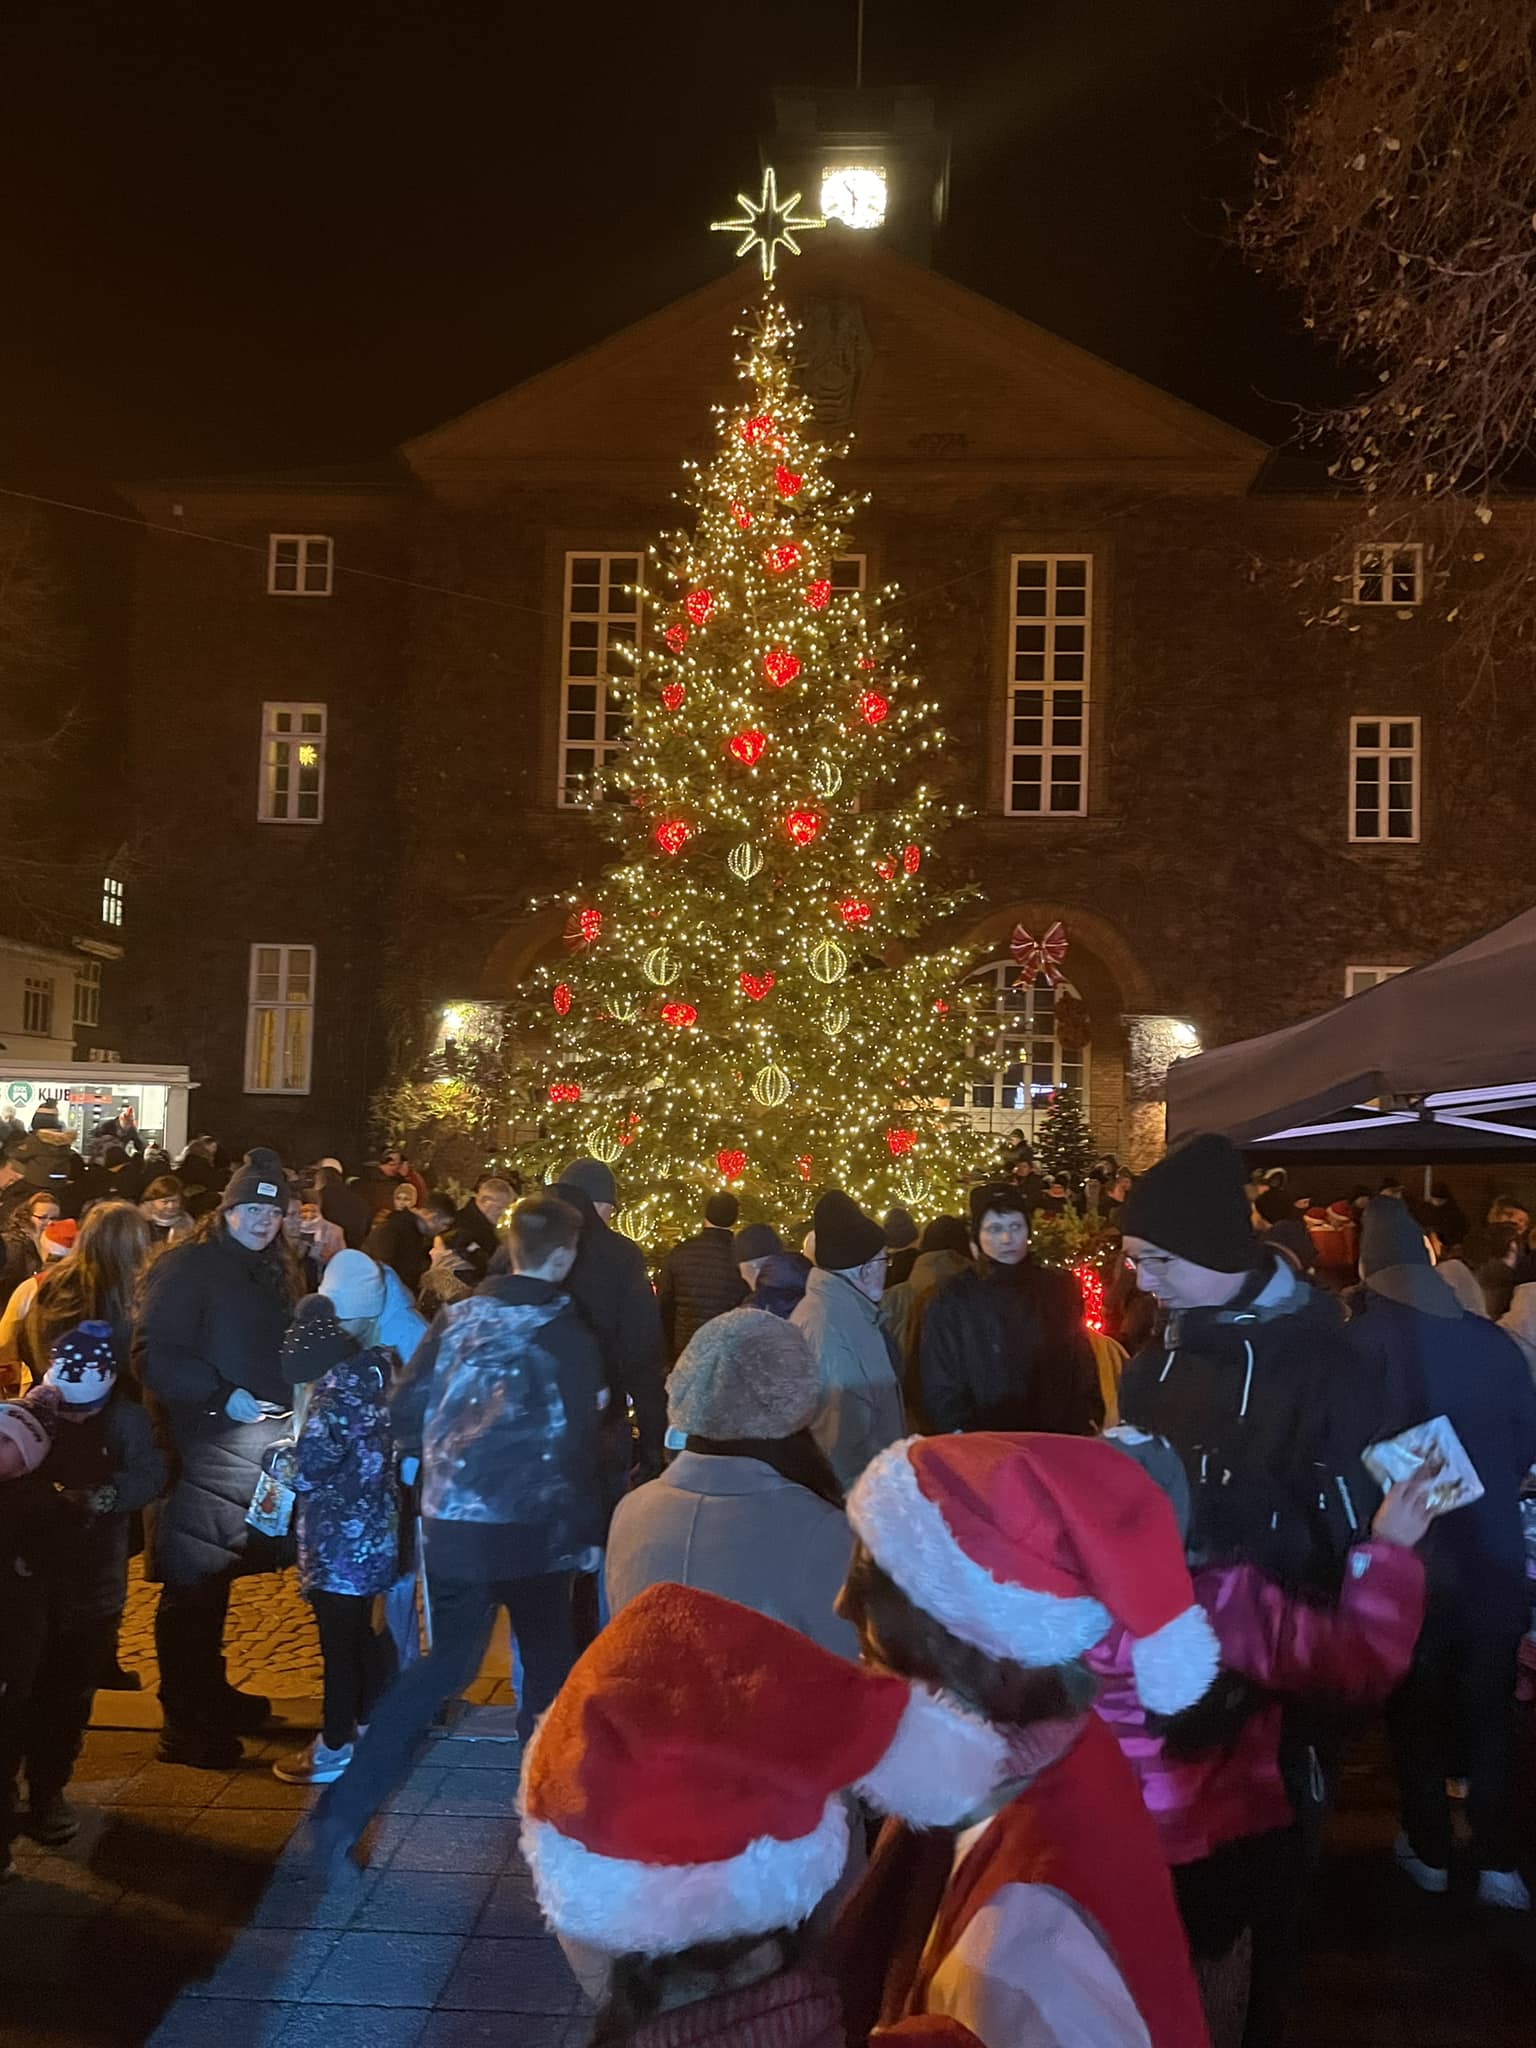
(48, 1159)
(699, 1279)
(1004, 1347)
(1269, 1410)
(503, 1398)
(609, 1283)
(348, 1511)
(213, 1319)
(861, 1401)
(1353, 1652)
(903, 1307)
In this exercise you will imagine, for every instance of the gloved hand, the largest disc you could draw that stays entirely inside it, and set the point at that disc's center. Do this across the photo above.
(242, 1407)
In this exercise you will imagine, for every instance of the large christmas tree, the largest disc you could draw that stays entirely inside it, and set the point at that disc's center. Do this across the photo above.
(741, 1002)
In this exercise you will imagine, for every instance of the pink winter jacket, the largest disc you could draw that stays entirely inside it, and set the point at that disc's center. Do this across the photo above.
(1356, 1652)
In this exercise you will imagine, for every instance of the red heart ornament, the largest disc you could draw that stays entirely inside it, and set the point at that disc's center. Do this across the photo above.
(755, 986)
(564, 1091)
(672, 696)
(778, 561)
(755, 431)
(805, 1162)
(583, 927)
(674, 835)
(780, 666)
(698, 604)
(802, 826)
(681, 1016)
(785, 482)
(561, 998)
(854, 910)
(911, 858)
(730, 1162)
(740, 514)
(748, 746)
(873, 708)
(886, 870)
(817, 593)
(676, 636)
(900, 1142)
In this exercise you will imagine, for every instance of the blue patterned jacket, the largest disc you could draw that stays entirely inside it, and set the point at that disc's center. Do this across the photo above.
(348, 1511)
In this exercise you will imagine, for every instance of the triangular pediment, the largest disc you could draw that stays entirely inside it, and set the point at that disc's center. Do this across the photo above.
(922, 371)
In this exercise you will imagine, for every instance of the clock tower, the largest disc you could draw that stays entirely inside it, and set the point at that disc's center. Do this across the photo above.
(873, 161)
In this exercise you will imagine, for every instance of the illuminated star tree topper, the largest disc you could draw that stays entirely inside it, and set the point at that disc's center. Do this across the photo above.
(766, 222)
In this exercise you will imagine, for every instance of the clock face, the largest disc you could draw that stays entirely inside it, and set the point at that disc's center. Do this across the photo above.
(854, 194)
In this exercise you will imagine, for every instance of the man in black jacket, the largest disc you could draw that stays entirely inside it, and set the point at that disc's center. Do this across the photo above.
(700, 1278)
(611, 1285)
(1003, 1344)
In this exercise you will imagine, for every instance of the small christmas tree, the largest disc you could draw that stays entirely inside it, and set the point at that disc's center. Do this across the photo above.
(742, 1003)
(1064, 1144)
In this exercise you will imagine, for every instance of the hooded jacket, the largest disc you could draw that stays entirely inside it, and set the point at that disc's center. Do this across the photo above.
(861, 1401)
(609, 1283)
(1003, 1347)
(903, 1307)
(1266, 1405)
(48, 1159)
(503, 1399)
(348, 1516)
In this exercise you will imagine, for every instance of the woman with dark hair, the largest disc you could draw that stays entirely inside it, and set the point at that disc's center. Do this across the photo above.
(208, 1349)
(685, 1813)
(750, 1508)
(988, 1566)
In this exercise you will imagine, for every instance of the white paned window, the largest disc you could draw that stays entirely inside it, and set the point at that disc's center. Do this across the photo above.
(37, 1004)
(280, 1025)
(299, 564)
(601, 619)
(1028, 1061)
(292, 788)
(88, 992)
(1384, 777)
(111, 900)
(1358, 979)
(1389, 575)
(1050, 621)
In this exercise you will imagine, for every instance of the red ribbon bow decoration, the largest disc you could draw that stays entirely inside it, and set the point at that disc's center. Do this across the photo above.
(1040, 956)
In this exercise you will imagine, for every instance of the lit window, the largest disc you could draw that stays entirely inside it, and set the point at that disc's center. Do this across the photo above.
(1046, 754)
(1384, 779)
(1358, 979)
(280, 1023)
(1028, 1061)
(88, 993)
(111, 900)
(37, 1005)
(292, 787)
(299, 564)
(599, 635)
(1389, 575)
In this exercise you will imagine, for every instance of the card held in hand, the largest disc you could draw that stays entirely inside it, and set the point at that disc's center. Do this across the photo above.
(1399, 1457)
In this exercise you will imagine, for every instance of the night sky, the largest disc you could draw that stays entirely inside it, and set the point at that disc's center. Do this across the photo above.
(242, 237)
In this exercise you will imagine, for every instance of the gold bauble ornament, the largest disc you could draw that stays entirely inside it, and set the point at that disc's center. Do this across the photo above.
(835, 1023)
(826, 778)
(913, 1190)
(623, 1011)
(828, 961)
(771, 1086)
(744, 861)
(660, 966)
(606, 1149)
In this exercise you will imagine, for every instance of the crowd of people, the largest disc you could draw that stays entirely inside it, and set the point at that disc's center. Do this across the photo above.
(800, 1533)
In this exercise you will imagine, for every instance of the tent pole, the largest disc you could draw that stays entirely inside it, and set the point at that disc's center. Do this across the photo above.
(1429, 1182)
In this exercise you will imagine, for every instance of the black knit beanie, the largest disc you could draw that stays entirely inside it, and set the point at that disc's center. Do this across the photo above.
(315, 1340)
(845, 1236)
(258, 1178)
(1194, 1204)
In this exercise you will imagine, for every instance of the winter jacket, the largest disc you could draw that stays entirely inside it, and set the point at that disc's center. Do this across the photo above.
(343, 1205)
(503, 1399)
(166, 1233)
(738, 1528)
(1355, 1652)
(903, 1307)
(20, 1259)
(1004, 1347)
(1269, 1410)
(348, 1511)
(1467, 1368)
(1519, 1321)
(401, 1326)
(610, 1285)
(48, 1159)
(1464, 1284)
(81, 1547)
(779, 1287)
(699, 1279)
(400, 1243)
(861, 1401)
(213, 1319)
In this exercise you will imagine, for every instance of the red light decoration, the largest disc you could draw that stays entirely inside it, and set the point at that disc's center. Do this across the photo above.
(802, 826)
(873, 708)
(900, 1143)
(582, 927)
(674, 835)
(740, 514)
(561, 998)
(868, 661)
(698, 604)
(564, 1091)
(758, 430)
(778, 561)
(817, 593)
(911, 858)
(681, 1016)
(1091, 1281)
(785, 482)
(731, 1162)
(886, 870)
(626, 1137)
(854, 910)
(780, 666)
(748, 746)
(805, 1163)
(755, 986)
(942, 1007)
(672, 696)
(676, 636)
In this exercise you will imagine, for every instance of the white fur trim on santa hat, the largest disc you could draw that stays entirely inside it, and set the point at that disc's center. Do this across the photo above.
(910, 1540)
(659, 1909)
(941, 1765)
(1176, 1664)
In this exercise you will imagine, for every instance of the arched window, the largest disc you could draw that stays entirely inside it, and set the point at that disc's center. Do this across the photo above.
(1027, 1059)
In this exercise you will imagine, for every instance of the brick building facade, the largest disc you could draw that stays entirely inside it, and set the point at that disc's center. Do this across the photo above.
(1227, 808)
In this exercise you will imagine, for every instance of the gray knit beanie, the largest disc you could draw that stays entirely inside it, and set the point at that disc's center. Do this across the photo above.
(744, 1374)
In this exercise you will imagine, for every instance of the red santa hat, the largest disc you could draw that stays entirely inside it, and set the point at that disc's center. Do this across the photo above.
(687, 1784)
(1033, 1547)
